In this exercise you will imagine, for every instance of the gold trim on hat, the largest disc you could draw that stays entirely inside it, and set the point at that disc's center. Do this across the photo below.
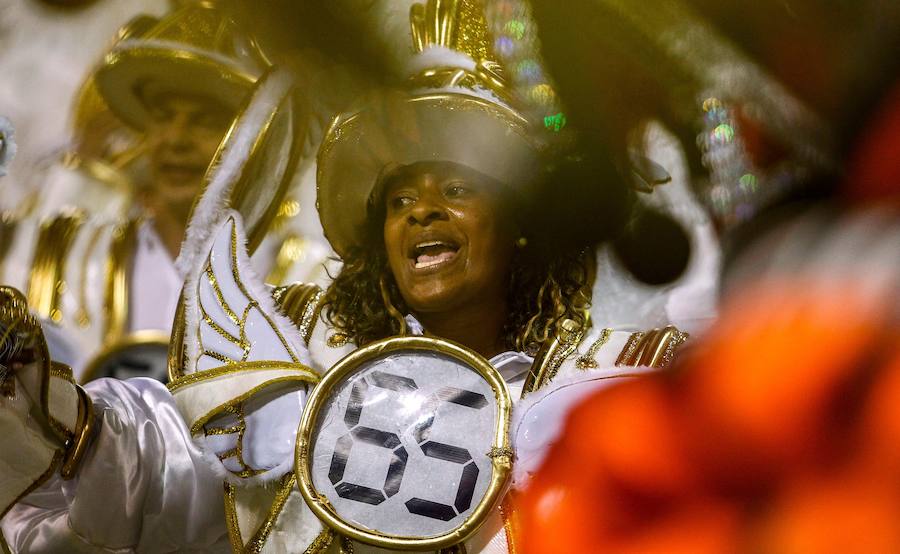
(345, 204)
(196, 48)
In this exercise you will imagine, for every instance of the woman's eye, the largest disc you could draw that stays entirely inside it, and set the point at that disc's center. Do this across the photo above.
(456, 190)
(399, 202)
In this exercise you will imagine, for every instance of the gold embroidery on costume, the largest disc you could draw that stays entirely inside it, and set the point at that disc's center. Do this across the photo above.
(588, 361)
(319, 545)
(310, 316)
(472, 36)
(219, 357)
(284, 491)
(337, 340)
(200, 376)
(211, 277)
(548, 361)
(346, 546)
(231, 519)
(215, 431)
(62, 371)
(322, 542)
(654, 348)
(241, 341)
(240, 284)
(198, 424)
(238, 451)
(242, 344)
(302, 304)
(496, 452)
(458, 25)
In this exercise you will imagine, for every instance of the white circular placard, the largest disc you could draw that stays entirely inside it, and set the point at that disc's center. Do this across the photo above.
(402, 445)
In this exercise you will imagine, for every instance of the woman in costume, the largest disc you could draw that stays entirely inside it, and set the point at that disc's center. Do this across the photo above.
(426, 196)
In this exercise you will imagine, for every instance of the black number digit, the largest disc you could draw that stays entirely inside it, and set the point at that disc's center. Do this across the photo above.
(384, 439)
(397, 467)
(449, 453)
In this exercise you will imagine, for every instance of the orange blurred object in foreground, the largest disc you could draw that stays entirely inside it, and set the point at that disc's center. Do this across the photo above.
(850, 511)
(760, 389)
(779, 432)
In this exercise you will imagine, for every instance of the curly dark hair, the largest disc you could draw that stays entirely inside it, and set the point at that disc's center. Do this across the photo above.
(547, 284)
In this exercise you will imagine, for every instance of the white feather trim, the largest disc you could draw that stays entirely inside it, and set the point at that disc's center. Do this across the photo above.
(178, 46)
(257, 288)
(250, 280)
(439, 56)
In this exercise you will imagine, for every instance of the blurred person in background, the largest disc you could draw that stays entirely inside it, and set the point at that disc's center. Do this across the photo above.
(149, 121)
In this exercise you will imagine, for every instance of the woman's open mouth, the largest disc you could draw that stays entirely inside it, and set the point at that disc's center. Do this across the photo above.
(433, 253)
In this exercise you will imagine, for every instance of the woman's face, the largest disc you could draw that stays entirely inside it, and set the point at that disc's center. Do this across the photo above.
(448, 239)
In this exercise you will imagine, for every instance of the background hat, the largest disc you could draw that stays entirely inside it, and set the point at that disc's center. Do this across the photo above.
(456, 107)
(194, 50)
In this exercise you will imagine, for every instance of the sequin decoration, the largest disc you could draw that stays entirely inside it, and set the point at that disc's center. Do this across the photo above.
(543, 94)
(723, 133)
(529, 69)
(737, 189)
(472, 34)
(504, 46)
(516, 29)
(516, 42)
(555, 122)
(749, 182)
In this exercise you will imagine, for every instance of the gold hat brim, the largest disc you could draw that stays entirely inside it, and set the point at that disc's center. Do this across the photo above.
(397, 130)
(126, 71)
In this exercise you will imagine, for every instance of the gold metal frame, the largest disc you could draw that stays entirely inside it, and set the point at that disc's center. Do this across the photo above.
(501, 453)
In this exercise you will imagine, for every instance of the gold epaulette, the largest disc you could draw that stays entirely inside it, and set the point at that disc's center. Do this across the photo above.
(301, 303)
(654, 348)
(569, 334)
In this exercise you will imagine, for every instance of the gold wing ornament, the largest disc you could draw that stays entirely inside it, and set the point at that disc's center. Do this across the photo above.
(238, 369)
(246, 370)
